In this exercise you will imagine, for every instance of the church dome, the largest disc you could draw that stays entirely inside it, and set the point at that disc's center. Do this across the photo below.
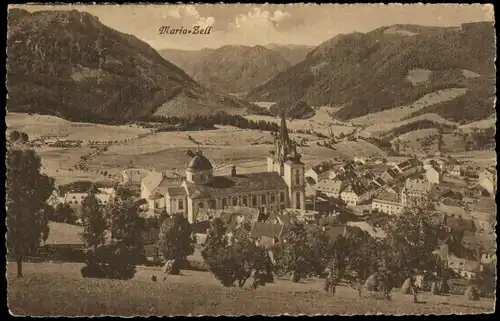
(199, 163)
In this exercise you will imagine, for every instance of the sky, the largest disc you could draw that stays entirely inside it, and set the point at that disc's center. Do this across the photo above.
(255, 24)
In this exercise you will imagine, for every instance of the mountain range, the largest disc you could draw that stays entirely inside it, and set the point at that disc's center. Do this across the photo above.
(236, 69)
(365, 73)
(67, 63)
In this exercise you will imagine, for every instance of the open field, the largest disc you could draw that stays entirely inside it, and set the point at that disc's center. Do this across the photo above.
(398, 113)
(224, 146)
(43, 125)
(66, 293)
(59, 163)
(321, 122)
(485, 123)
(383, 128)
(413, 141)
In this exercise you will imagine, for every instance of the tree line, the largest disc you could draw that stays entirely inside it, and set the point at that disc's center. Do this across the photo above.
(206, 122)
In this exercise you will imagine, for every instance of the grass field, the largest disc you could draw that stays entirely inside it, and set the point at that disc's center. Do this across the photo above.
(224, 146)
(400, 112)
(321, 122)
(66, 293)
(44, 125)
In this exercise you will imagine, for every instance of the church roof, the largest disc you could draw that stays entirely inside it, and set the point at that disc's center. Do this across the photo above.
(199, 162)
(152, 180)
(241, 183)
(176, 191)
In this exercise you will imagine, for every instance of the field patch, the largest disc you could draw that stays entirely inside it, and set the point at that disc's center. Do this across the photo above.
(359, 148)
(418, 76)
(398, 113)
(199, 293)
(43, 125)
(321, 122)
(482, 124)
(412, 142)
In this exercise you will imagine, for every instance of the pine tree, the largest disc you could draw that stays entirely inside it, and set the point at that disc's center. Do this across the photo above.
(26, 192)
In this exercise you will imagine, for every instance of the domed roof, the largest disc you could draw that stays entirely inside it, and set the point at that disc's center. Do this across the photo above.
(199, 163)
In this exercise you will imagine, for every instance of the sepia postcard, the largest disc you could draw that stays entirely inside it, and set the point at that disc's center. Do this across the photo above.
(249, 159)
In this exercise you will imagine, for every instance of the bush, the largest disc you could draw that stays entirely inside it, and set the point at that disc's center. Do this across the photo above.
(115, 260)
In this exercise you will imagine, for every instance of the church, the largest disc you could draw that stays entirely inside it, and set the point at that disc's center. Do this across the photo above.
(281, 186)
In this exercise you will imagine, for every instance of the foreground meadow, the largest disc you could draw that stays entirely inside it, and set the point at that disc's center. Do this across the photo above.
(58, 289)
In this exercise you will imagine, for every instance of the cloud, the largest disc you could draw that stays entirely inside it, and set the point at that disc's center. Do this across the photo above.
(260, 20)
(189, 16)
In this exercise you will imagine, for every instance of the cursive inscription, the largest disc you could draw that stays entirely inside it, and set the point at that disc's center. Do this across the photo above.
(196, 30)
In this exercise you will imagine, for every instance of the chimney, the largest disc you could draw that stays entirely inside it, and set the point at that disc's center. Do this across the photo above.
(233, 170)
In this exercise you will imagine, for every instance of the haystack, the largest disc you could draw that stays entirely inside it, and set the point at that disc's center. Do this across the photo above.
(472, 294)
(372, 282)
(434, 288)
(406, 287)
(444, 287)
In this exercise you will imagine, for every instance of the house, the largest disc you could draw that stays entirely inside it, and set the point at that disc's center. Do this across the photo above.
(154, 187)
(356, 193)
(360, 160)
(488, 180)
(331, 188)
(433, 175)
(389, 175)
(455, 171)
(312, 177)
(483, 212)
(374, 232)
(408, 167)
(343, 172)
(389, 203)
(467, 269)
(415, 193)
(489, 257)
(267, 234)
(308, 217)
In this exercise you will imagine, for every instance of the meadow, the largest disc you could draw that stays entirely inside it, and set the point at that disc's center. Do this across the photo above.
(66, 293)
(379, 121)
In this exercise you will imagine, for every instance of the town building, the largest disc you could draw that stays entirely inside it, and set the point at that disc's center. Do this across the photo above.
(331, 188)
(389, 203)
(282, 186)
(355, 194)
(455, 171)
(415, 193)
(433, 175)
(488, 180)
(312, 174)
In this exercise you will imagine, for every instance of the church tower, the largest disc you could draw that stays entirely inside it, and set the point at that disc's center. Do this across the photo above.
(285, 160)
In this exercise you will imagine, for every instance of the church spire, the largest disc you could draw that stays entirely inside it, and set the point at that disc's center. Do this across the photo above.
(284, 141)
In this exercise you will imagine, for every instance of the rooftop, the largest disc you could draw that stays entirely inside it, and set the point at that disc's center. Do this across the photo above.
(176, 191)
(199, 162)
(241, 183)
(329, 185)
(387, 197)
(271, 230)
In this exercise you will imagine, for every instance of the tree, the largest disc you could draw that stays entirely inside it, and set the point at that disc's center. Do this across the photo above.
(176, 240)
(24, 137)
(302, 253)
(63, 213)
(14, 135)
(408, 248)
(26, 192)
(126, 226)
(94, 221)
(362, 252)
(232, 261)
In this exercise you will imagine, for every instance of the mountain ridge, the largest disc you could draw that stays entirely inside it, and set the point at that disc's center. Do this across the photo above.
(335, 72)
(68, 64)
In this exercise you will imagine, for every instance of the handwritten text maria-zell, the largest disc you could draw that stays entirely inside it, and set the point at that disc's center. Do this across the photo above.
(196, 30)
